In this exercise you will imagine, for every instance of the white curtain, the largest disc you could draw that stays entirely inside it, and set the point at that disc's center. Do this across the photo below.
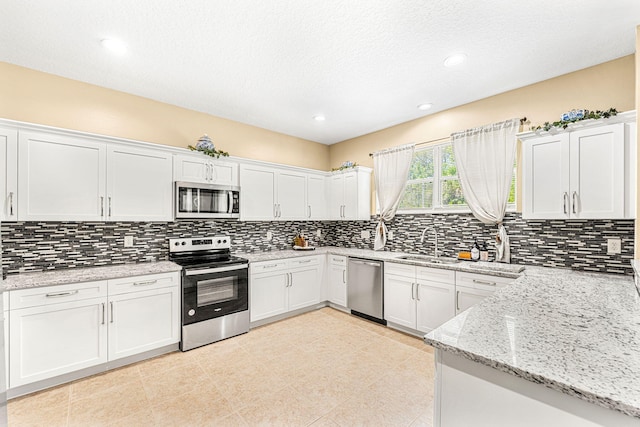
(484, 159)
(390, 172)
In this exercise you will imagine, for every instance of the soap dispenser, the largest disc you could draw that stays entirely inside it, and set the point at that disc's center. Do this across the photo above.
(475, 250)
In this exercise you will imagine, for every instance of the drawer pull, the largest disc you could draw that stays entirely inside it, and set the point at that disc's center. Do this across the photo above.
(484, 282)
(270, 266)
(145, 283)
(304, 262)
(338, 260)
(62, 294)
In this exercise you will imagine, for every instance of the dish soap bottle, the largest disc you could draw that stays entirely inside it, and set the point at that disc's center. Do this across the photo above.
(484, 252)
(475, 250)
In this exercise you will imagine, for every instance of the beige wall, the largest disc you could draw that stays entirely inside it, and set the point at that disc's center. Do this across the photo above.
(637, 245)
(611, 84)
(37, 97)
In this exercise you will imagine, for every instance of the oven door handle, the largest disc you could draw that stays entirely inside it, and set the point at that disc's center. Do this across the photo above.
(195, 272)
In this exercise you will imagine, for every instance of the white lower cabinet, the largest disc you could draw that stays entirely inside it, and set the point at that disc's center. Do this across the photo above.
(337, 278)
(471, 288)
(56, 330)
(418, 298)
(277, 287)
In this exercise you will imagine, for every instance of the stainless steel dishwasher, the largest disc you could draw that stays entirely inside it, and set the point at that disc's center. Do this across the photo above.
(364, 289)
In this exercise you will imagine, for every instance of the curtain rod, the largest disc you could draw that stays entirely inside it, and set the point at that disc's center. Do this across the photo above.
(522, 121)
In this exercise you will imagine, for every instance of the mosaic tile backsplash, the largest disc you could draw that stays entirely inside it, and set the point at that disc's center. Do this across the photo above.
(581, 245)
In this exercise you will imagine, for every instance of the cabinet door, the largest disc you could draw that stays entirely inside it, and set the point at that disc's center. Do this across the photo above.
(336, 196)
(139, 184)
(194, 168)
(304, 287)
(60, 178)
(597, 172)
(47, 341)
(292, 195)
(468, 297)
(143, 321)
(338, 284)
(224, 173)
(268, 295)
(399, 302)
(258, 197)
(9, 175)
(545, 178)
(350, 210)
(316, 197)
(435, 303)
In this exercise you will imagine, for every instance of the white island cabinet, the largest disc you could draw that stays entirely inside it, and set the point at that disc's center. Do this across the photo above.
(584, 172)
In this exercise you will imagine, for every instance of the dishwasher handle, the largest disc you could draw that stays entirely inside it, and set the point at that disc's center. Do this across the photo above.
(369, 263)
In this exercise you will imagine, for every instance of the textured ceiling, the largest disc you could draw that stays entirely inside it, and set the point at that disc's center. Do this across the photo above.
(365, 64)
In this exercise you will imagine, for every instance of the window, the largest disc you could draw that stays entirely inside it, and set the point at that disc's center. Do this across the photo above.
(433, 182)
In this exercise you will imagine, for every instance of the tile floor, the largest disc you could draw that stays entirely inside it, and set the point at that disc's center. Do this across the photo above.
(324, 368)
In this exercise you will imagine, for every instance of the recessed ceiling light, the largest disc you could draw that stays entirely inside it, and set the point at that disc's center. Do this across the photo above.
(424, 106)
(114, 45)
(455, 59)
(319, 118)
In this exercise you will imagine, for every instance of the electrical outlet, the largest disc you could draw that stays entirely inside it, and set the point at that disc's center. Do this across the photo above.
(614, 246)
(365, 234)
(269, 236)
(128, 241)
(318, 233)
(390, 235)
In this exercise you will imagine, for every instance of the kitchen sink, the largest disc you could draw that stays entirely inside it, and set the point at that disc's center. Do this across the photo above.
(429, 259)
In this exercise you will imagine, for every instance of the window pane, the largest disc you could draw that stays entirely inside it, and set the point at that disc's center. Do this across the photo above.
(448, 161)
(422, 165)
(452, 193)
(512, 190)
(417, 196)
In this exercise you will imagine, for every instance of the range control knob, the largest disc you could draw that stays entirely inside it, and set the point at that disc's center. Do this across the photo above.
(219, 241)
(192, 312)
(184, 243)
(224, 241)
(177, 243)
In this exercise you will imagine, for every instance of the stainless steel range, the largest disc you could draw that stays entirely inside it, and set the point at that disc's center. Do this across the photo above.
(215, 290)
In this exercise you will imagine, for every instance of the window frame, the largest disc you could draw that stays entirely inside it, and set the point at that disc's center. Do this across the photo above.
(437, 181)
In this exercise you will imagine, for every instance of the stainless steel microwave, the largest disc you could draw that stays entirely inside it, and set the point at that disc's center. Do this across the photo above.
(207, 201)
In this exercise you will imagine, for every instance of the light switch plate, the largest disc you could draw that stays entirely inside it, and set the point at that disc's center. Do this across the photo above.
(269, 236)
(128, 241)
(365, 234)
(614, 246)
(390, 235)
(318, 233)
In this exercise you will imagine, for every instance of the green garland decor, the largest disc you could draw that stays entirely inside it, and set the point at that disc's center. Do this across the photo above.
(209, 152)
(587, 116)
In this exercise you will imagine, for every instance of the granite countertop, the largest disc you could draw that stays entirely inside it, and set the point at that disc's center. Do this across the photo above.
(78, 275)
(575, 332)
(493, 268)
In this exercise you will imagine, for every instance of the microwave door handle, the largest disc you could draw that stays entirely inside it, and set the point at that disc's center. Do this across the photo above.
(230, 198)
(196, 201)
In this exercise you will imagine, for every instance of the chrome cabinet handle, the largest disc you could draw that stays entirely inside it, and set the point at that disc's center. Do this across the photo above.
(309, 212)
(275, 210)
(145, 283)
(62, 294)
(111, 302)
(101, 205)
(11, 203)
(279, 211)
(103, 310)
(344, 275)
(270, 266)
(290, 279)
(304, 262)
(484, 282)
(418, 291)
(412, 297)
(214, 174)
(574, 201)
(565, 199)
(109, 206)
(457, 300)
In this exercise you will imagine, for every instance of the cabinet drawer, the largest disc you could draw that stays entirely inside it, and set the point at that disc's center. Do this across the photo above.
(436, 275)
(47, 295)
(481, 281)
(267, 266)
(304, 261)
(337, 259)
(400, 269)
(143, 283)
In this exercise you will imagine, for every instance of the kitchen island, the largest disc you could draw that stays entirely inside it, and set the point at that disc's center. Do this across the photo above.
(557, 347)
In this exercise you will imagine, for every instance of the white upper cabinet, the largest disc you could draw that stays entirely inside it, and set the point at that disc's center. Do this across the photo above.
(350, 194)
(584, 173)
(316, 197)
(60, 178)
(65, 178)
(280, 193)
(203, 169)
(139, 184)
(9, 176)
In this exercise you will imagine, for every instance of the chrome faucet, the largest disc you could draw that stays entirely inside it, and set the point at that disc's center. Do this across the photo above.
(435, 234)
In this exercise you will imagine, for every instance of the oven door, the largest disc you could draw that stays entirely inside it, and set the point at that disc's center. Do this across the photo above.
(208, 293)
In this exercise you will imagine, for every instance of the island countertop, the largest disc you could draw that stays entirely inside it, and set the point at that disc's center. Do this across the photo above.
(575, 332)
